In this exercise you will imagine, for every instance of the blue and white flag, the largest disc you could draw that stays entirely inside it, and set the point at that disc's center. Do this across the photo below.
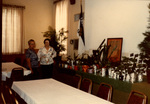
(80, 34)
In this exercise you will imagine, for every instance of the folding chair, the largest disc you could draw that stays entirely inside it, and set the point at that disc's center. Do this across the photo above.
(76, 81)
(86, 85)
(137, 97)
(105, 91)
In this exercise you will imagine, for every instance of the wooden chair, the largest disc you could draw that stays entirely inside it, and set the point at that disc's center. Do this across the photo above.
(76, 81)
(86, 85)
(2, 100)
(105, 91)
(16, 75)
(137, 97)
(8, 96)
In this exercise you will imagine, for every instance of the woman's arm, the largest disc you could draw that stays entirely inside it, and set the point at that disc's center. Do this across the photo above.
(38, 54)
(29, 64)
(53, 53)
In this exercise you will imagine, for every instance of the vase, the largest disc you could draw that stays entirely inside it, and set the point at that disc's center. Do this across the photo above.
(103, 72)
(128, 78)
(140, 77)
(114, 75)
(85, 68)
(124, 75)
(133, 77)
(109, 72)
(117, 75)
(90, 71)
(80, 67)
(65, 66)
(95, 68)
(75, 67)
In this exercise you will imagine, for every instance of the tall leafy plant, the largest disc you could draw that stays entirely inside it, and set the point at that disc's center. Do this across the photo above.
(103, 54)
(144, 46)
(56, 39)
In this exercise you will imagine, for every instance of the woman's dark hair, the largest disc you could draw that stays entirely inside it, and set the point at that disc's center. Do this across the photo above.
(46, 40)
(31, 40)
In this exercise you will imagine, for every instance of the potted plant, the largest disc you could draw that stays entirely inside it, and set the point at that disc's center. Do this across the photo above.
(56, 39)
(105, 62)
(144, 47)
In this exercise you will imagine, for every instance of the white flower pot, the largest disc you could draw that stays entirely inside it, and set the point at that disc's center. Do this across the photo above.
(140, 77)
(103, 72)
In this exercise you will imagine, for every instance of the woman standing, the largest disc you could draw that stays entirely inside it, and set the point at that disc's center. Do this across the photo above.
(45, 56)
(32, 59)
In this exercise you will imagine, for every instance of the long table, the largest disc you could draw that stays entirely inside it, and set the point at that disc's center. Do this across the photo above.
(7, 69)
(51, 91)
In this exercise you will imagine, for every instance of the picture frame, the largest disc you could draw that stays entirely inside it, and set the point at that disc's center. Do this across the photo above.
(115, 50)
(77, 16)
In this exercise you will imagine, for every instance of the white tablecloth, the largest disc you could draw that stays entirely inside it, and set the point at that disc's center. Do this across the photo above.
(7, 68)
(50, 91)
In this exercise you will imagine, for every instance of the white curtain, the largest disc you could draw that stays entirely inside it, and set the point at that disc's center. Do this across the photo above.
(12, 30)
(61, 18)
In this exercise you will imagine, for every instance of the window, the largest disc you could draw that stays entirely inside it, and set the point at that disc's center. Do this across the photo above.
(61, 18)
(12, 29)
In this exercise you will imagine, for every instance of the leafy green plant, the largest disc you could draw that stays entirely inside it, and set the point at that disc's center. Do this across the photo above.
(144, 46)
(104, 58)
(56, 39)
(131, 64)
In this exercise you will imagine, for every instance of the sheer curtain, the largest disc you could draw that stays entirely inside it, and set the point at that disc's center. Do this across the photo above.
(61, 18)
(12, 30)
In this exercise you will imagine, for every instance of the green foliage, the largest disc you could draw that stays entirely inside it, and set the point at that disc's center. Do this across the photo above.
(56, 39)
(104, 58)
(144, 46)
(50, 33)
(131, 64)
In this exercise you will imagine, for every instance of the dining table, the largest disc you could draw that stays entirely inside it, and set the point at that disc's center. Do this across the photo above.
(51, 91)
(7, 68)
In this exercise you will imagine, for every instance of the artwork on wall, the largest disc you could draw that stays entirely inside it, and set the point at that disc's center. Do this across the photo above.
(77, 16)
(115, 49)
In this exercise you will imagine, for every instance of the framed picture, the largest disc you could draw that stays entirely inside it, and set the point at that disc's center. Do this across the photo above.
(77, 16)
(115, 49)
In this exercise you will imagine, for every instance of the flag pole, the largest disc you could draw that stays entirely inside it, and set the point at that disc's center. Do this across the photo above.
(80, 2)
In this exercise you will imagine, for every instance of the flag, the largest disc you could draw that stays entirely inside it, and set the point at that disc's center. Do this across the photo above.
(80, 34)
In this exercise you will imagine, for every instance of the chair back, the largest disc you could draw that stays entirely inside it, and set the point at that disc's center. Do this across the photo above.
(105, 91)
(137, 97)
(76, 81)
(7, 96)
(86, 85)
(2, 100)
(17, 74)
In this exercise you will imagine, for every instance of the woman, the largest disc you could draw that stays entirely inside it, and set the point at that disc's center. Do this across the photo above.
(45, 56)
(32, 59)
